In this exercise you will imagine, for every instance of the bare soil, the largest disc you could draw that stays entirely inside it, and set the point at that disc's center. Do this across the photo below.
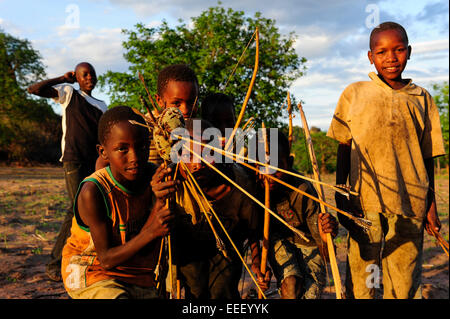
(33, 202)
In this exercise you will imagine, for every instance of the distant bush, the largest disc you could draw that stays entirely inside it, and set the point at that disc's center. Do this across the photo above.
(325, 149)
(30, 131)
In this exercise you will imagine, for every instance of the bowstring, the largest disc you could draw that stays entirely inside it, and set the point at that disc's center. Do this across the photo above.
(239, 61)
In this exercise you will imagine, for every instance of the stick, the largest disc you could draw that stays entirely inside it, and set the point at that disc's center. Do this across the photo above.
(194, 192)
(330, 244)
(290, 120)
(169, 243)
(150, 114)
(158, 265)
(223, 227)
(298, 232)
(141, 77)
(441, 241)
(265, 242)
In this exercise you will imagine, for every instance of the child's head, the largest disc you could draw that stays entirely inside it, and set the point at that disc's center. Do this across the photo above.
(86, 77)
(285, 160)
(178, 87)
(124, 145)
(203, 174)
(218, 109)
(389, 52)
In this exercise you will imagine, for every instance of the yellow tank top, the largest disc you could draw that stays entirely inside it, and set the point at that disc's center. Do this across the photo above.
(128, 212)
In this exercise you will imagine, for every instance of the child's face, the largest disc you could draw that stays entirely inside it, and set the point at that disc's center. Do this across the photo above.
(222, 119)
(180, 94)
(201, 172)
(389, 54)
(86, 78)
(126, 149)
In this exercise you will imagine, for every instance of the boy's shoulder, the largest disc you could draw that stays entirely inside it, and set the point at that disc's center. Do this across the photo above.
(301, 184)
(359, 86)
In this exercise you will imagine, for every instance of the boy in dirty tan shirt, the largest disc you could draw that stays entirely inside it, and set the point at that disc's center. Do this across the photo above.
(389, 132)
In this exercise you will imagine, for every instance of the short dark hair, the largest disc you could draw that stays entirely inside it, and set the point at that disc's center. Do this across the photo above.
(175, 72)
(189, 124)
(115, 115)
(84, 63)
(215, 101)
(388, 26)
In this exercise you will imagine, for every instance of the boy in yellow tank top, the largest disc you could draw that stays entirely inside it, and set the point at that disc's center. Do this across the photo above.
(119, 222)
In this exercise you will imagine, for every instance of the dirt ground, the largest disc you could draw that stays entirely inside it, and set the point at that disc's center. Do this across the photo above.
(33, 201)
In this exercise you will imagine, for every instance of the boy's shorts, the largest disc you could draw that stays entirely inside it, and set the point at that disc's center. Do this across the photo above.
(289, 259)
(114, 289)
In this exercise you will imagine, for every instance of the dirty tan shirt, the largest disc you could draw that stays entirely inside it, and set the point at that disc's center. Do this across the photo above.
(391, 133)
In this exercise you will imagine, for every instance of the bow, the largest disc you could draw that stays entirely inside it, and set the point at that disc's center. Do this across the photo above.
(330, 245)
(247, 97)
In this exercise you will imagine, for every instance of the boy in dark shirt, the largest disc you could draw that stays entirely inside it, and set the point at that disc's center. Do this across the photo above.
(206, 272)
(80, 115)
(297, 264)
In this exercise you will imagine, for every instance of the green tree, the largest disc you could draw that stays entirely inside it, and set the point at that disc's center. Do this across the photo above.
(441, 99)
(29, 128)
(212, 46)
(325, 150)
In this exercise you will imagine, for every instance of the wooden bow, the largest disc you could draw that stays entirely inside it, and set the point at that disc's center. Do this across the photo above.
(247, 97)
(265, 241)
(319, 188)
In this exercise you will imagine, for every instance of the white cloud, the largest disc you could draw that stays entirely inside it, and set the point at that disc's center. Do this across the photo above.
(430, 46)
(10, 28)
(102, 48)
(312, 46)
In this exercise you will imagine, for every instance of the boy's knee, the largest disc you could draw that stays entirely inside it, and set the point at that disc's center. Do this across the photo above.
(291, 287)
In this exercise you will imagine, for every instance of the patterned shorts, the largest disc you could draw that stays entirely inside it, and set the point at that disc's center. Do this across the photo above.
(288, 259)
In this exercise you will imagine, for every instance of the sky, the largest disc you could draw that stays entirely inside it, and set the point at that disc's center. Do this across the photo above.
(333, 36)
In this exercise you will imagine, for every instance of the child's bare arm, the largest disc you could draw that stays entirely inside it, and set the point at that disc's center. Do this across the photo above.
(45, 88)
(263, 280)
(93, 213)
(432, 218)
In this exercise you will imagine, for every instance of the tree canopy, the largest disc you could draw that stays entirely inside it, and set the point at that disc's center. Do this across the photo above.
(29, 128)
(212, 45)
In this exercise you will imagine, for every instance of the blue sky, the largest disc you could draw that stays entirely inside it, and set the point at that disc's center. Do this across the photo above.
(332, 35)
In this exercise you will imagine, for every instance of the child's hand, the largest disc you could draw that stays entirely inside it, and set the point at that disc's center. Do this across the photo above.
(263, 281)
(160, 221)
(327, 224)
(69, 77)
(432, 222)
(163, 189)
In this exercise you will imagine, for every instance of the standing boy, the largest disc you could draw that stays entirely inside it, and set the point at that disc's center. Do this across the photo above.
(80, 115)
(119, 221)
(389, 132)
(297, 264)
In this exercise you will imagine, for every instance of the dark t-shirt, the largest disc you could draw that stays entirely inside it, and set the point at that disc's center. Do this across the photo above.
(81, 114)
